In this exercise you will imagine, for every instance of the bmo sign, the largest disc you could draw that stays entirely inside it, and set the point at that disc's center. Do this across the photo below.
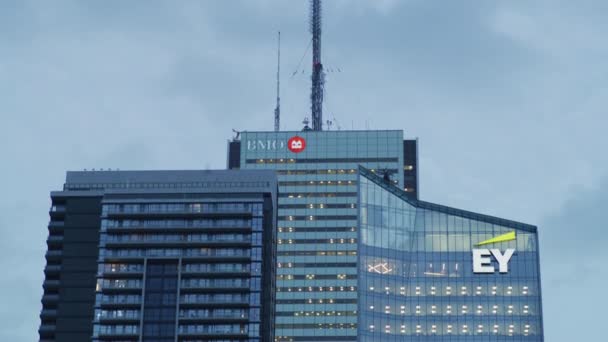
(294, 144)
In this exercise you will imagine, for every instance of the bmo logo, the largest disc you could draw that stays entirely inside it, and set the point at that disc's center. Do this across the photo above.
(296, 144)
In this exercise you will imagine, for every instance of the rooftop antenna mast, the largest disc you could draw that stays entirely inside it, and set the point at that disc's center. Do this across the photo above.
(318, 76)
(277, 110)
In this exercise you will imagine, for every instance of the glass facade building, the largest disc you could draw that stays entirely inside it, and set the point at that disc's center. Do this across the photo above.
(416, 279)
(361, 258)
(318, 214)
(178, 256)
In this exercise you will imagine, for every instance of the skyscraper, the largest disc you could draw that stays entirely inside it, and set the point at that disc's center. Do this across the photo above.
(161, 256)
(361, 258)
(433, 273)
(318, 219)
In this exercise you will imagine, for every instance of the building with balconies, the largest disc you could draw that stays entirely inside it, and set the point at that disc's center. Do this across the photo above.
(161, 256)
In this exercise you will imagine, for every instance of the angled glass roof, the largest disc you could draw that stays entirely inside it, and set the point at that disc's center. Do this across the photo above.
(442, 208)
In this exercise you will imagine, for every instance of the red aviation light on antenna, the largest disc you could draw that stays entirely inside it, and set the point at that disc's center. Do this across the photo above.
(296, 144)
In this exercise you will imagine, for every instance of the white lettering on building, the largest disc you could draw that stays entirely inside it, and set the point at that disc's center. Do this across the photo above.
(265, 145)
(482, 262)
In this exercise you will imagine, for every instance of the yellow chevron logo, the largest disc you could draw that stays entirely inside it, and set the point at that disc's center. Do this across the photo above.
(510, 236)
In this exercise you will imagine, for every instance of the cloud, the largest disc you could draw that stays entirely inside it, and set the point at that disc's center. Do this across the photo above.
(508, 100)
(573, 266)
(383, 7)
(560, 29)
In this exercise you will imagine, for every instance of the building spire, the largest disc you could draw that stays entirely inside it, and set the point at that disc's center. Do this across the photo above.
(318, 76)
(277, 110)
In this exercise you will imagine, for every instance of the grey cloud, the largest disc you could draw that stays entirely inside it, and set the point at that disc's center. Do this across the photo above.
(574, 256)
(507, 98)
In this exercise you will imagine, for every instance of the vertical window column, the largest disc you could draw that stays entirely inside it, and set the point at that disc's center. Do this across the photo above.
(160, 299)
(255, 286)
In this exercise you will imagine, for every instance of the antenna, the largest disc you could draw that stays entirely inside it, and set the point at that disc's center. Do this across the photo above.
(318, 76)
(237, 135)
(305, 122)
(277, 110)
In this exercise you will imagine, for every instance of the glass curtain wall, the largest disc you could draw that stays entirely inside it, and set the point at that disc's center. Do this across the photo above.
(416, 280)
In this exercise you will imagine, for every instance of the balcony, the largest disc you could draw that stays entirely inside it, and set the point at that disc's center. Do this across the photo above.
(55, 239)
(57, 212)
(56, 225)
(235, 318)
(48, 313)
(50, 298)
(58, 208)
(118, 331)
(52, 269)
(46, 328)
(51, 284)
(130, 285)
(54, 254)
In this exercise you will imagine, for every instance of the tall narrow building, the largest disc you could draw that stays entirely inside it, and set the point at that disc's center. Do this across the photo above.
(318, 219)
(160, 256)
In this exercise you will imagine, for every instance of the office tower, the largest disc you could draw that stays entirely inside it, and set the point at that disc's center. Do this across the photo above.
(433, 273)
(161, 256)
(410, 153)
(318, 220)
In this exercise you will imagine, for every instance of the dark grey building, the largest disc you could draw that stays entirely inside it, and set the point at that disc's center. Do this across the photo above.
(161, 256)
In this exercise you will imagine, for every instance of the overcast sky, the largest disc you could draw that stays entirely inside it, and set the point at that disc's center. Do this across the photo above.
(508, 99)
